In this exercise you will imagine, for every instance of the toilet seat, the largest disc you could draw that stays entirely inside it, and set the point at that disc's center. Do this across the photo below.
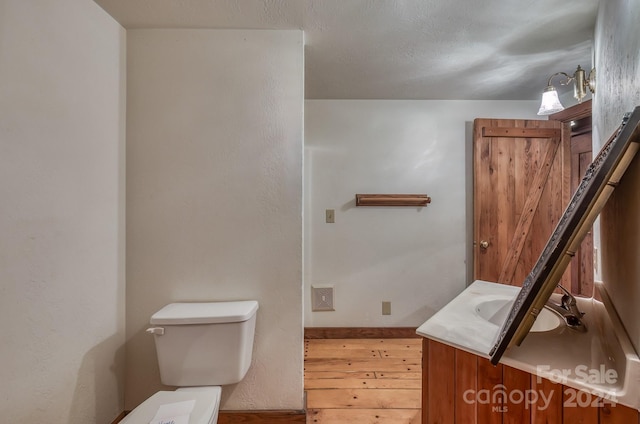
(205, 410)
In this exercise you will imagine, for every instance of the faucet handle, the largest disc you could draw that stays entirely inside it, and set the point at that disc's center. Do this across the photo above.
(569, 302)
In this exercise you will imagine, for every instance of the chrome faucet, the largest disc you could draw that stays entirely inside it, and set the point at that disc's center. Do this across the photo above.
(568, 309)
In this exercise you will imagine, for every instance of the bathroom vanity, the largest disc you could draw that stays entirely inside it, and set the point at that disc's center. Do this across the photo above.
(557, 374)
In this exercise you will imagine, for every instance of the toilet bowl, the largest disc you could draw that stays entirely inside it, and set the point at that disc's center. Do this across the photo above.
(200, 346)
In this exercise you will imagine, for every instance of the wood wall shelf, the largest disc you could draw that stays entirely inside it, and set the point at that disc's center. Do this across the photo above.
(392, 200)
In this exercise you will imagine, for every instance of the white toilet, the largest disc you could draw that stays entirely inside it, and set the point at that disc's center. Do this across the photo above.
(200, 347)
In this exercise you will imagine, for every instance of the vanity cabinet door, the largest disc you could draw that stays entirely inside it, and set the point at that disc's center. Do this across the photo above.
(461, 388)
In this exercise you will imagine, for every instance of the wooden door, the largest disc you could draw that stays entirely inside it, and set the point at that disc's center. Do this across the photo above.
(521, 187)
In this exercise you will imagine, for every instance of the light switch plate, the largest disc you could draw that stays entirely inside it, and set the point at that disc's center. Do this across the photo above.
(330, 216)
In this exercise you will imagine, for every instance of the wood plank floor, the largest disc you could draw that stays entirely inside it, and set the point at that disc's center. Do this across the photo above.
(368, 381)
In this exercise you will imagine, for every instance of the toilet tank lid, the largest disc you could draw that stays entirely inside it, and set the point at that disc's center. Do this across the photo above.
(205, 312)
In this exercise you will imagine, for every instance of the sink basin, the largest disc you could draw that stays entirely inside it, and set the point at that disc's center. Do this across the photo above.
(496, 311)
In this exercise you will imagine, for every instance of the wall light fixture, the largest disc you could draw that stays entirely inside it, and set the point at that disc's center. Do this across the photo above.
(581, 82)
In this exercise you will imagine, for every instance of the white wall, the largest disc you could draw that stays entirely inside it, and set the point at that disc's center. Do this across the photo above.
(617, 56)
(414, 257)
(61, 213)
(214, 192)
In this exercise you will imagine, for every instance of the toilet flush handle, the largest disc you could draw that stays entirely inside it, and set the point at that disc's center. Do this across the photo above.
(156, 330)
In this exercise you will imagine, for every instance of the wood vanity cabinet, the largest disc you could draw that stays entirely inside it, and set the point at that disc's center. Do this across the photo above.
(462, 388)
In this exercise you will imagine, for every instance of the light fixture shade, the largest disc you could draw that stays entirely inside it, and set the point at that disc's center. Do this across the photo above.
(550, 102)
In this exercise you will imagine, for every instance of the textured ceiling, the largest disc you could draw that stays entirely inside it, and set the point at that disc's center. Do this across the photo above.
(395, 49)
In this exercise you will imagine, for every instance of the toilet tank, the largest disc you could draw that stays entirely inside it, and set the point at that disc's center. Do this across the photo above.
(204, 344)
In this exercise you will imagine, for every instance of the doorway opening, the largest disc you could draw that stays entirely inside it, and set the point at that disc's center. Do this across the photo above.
(579, 118)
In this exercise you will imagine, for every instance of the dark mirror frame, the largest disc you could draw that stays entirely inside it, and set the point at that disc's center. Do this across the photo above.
(601, 178)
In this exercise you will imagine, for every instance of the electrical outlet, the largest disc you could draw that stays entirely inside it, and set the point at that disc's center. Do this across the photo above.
(330, 216)
(386, 308)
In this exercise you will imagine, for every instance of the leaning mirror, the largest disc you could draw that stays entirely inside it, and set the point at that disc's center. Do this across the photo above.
(601, 178)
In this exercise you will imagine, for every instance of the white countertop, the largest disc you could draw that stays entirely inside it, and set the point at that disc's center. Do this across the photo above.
(459, 325)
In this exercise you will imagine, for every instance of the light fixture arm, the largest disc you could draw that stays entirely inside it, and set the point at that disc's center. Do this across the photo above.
(568, 80)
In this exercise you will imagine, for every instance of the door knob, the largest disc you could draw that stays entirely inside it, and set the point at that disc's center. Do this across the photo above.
(484, 244)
